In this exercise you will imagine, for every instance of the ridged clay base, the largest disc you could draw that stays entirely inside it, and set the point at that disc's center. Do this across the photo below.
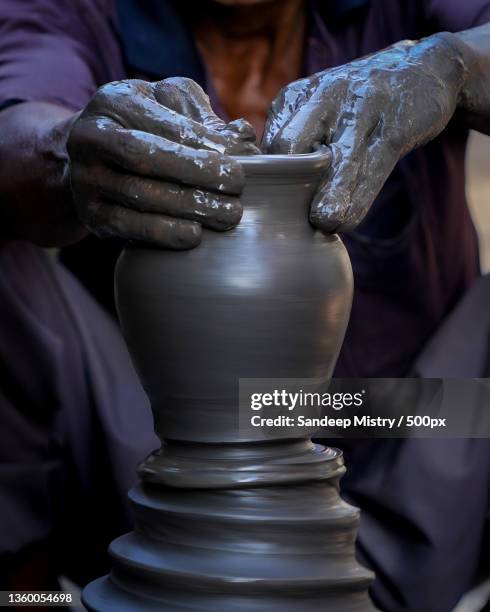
(249, 547)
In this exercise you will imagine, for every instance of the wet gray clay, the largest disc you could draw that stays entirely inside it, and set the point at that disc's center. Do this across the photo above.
(225, 522)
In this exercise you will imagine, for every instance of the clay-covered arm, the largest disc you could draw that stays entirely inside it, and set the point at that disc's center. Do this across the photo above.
(373, 111)
(143, 161)
(36, 201)
(474, 101)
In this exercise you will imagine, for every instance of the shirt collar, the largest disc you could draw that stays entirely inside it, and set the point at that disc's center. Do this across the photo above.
(155, 40)
(344, 7)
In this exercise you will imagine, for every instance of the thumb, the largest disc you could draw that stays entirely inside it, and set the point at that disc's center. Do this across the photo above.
(351, 186)
(283, 113)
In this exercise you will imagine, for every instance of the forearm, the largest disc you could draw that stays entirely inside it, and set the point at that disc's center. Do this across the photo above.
(36, 200)
(474, 102)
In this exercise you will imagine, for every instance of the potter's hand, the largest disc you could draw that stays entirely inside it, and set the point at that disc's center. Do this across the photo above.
(151, 162)
(370, 113)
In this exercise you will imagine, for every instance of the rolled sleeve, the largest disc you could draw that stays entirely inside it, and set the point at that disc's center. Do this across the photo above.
(458, 15)
(50, 51)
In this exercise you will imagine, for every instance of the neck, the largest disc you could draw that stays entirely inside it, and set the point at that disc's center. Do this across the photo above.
(251, 52)
(237, 21)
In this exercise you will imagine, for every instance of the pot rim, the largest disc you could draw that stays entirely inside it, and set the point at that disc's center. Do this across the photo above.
(295, 163)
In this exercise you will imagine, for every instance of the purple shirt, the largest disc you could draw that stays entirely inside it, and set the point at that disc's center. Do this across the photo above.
(415, 253)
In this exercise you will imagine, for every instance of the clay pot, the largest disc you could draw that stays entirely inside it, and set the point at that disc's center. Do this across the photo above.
(269, 299)
(226, 521)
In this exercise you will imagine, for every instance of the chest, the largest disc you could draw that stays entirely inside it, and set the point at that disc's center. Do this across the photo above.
(246, 80)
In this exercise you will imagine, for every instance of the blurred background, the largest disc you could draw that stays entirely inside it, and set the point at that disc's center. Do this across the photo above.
(478, 190)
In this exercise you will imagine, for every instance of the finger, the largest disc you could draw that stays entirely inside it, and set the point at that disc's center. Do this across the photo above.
(359, 170)
(106, 219)
(134, 106)
(309, 127)
(244, 129)
(379, 163)
(213, 210)
(186, 97)
(284, 107)
(242, 138)
(145, 154)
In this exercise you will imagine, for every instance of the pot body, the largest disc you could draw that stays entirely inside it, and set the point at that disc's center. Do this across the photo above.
(268, 299)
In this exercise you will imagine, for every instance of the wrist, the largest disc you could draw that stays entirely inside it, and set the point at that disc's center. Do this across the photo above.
(51, 147)
(461, 61)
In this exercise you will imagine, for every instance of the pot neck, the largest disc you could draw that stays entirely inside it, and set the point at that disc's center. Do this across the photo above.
(279, 188)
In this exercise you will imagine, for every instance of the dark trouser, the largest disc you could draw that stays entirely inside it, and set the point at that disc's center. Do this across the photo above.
(74, 422)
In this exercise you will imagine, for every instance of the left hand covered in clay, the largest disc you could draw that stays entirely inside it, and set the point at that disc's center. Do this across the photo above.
(369, 113)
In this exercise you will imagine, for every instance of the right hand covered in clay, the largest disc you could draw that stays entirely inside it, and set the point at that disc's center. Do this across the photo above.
(151, 162)
(369, 113)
